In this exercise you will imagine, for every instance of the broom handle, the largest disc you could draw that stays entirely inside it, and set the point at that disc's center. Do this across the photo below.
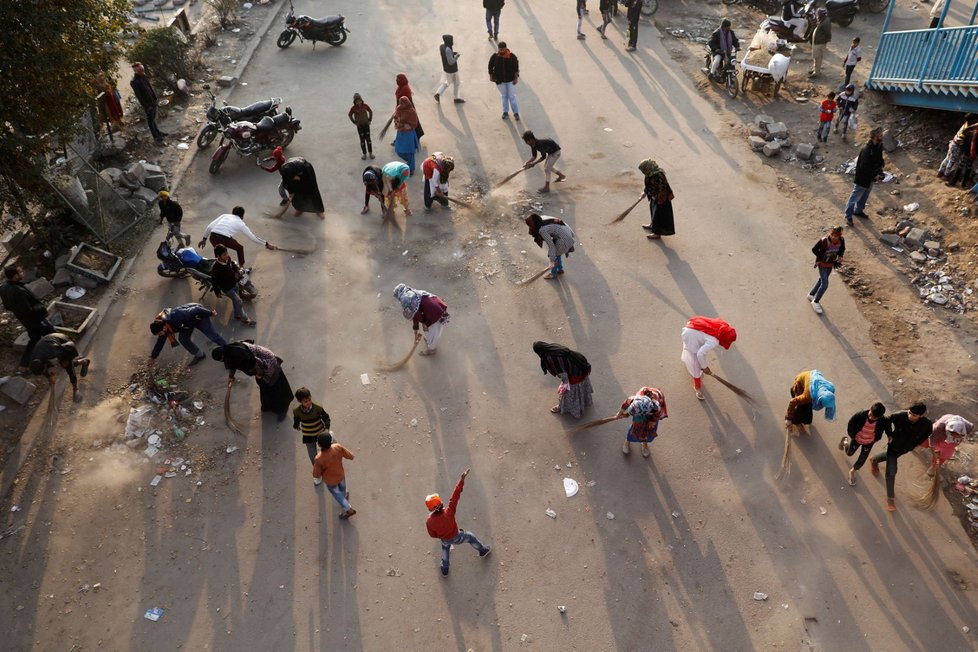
(630, 209)
(458, 201)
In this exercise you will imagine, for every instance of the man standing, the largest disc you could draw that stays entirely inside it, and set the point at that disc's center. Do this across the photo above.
(504, 72)
(177, 325)
(436, 169)
(821, 36)
(442, 525)
(172, 212)
(58, 348)
(910, 429)
(869, 168)
(225, 228)
(328, 467)
(30, 312)
(224, 277)
(147, 99)
(607, 7)
(449, 66)
(853, 56)
(310, 419)
(633, 15)
(547, 150)
(493, 7)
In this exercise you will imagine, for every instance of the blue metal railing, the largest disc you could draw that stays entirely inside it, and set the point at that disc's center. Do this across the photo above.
(928, 55)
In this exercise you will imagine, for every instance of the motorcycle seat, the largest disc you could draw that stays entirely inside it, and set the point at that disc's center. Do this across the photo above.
(238, 112)
(205, 266)
(328, 21)
(269, 123)
(838, 4)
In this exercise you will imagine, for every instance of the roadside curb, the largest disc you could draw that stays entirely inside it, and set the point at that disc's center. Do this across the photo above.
(29, 436)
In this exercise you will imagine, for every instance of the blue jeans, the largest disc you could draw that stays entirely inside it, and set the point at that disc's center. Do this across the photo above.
(492, 17)
(460, 538)
(823, 130)
(339, 493)
(204, 326)
(232, 294)
(822, 284)
(507, 90)
(857, 200)
(558, 265)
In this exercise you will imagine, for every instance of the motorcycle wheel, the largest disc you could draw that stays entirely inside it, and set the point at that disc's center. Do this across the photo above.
(169, 273)
(247, 293)
(876, 6)
(732, 87)
(216, 164)
(336, 38)
(845, 21)
(287, 136)
(206, 136)
(730, 2)
(649, 7)
(744, 80)
(285, 39)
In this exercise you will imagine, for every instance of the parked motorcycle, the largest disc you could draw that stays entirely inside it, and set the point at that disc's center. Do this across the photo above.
(329, 29)
(785, 31)
(181, 262)
(218, 119)
(725, 74)
(649, 7)
(251, 139)
(842, 12)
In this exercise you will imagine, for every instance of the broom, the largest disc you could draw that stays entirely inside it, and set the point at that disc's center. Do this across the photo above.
(510, 177)
(595, 423)
(403, 362)
(736, 390)
(235, 428)
(458, 202)
(786, 457)
(928, 499)
(625, 212)
(387, 125)
(527, 281)
(278, 215)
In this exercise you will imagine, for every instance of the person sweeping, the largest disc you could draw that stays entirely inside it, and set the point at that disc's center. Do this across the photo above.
(946, 433)
(573, 369)
(274, 392)
(299, 181)
(646, 408)
(660, 196)
(427, 312)
(810, 392)
(700, 336)
(395, 175)
(558, 236)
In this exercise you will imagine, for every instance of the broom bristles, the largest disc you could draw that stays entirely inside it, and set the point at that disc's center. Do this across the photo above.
(461, 203)
(786, 456)
(625, 212)
(736, 390)
(596, 422)
(235, 428)
(403, 362)
(387, 125)
(509, 178)
(929, 497)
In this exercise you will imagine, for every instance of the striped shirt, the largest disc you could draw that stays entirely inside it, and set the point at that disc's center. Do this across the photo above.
(559, 239)
(312, 423)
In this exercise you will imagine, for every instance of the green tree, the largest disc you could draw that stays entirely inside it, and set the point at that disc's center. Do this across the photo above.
(52, 52)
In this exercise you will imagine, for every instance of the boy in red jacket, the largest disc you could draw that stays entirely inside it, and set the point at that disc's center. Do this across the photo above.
(825, 117)
(441, 525)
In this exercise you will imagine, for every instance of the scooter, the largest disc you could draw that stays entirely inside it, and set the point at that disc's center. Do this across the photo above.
(218, 119)
(182, 262)
(726, 74)
(251, 139)
(785, 31)
(329, 29)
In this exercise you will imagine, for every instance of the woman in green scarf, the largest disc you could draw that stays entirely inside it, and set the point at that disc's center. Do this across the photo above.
(659, 194)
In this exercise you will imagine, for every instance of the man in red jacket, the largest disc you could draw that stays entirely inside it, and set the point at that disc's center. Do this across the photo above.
(441, 525)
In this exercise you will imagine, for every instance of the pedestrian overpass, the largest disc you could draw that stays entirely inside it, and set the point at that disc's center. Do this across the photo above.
(929, 68)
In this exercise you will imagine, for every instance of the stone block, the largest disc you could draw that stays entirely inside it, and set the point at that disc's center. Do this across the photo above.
(156, 182)
(138, 206)
(905, 224)
(111, 176)
(890, 239)
(225, 81)
(918, 257)
(805, 151)
(135, 171)
(40, 288)
(756, 143)
(130, 181)
(149, 170)
(915, 237)
(772, 149)
(83, 281)
(61, 261)
(762, 120)
(62, 278)
(935, 253)
(777, 130)
(19, 389)
(758, 131)
(954, 246)
(889, 141)
(146, 195)
(932, 244)
(11, 240)
(21, 342)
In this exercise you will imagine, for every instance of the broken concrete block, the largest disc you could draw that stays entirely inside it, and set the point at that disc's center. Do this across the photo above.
(756, 143)
(777, 130)
(40, 288)
(135, 171)
(762, 120)
(149, 170)
(146, 195)
(932, 244)
(890, 239)
(130, 181)
(935, 253)
(225, 81)
(915, 237)
(918, 257)
(83, 281)
(804, 151)
(772, 149)
(138, 206)
(61, 261)
(62, 277)
(758, 131)
(954, 246)
(111, 176)
(21, 342)
(18, 389)
(156, 182)
(889, 141)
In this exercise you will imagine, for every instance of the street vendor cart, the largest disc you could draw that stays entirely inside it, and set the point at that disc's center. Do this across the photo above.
(766, 58)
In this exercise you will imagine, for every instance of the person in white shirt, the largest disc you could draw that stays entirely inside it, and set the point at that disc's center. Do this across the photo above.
(853, 56)
(225, 229)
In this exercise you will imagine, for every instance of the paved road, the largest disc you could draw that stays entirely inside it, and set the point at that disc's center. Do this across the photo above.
(258, 559)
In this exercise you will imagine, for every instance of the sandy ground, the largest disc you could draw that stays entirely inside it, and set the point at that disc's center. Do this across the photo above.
(254, 557)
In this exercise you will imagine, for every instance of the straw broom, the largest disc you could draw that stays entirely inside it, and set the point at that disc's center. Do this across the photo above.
(278, 215)
(625, 212)
(595, 423)
(510, 177)
(387, 125)
(403, 362)
(527, 281)
(786, 457)
(736, 390)
(235, 428)
(458, 202)
(928, 498)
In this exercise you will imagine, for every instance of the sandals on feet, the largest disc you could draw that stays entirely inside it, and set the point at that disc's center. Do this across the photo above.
(852, 477)
(555, 409)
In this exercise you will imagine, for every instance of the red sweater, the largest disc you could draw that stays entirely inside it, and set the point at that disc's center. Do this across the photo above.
(441, 522)
(431, 311)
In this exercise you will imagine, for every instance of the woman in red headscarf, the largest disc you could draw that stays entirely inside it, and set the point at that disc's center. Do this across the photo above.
(700, 336)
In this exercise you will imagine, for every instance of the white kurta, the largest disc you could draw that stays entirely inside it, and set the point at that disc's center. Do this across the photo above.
(696, 344)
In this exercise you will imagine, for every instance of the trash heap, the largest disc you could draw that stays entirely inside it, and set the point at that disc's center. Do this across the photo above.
(969, 487)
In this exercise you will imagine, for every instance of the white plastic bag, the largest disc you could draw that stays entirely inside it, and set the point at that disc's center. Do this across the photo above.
(853, 121)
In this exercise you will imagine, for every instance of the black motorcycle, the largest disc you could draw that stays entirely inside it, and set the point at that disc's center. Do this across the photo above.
(218, 119)
(726, 73)
(181, 262)
(842, 12)
(329, 29)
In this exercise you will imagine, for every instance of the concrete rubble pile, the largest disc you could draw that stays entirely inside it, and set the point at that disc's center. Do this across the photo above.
(124, 193)
(769, 137)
